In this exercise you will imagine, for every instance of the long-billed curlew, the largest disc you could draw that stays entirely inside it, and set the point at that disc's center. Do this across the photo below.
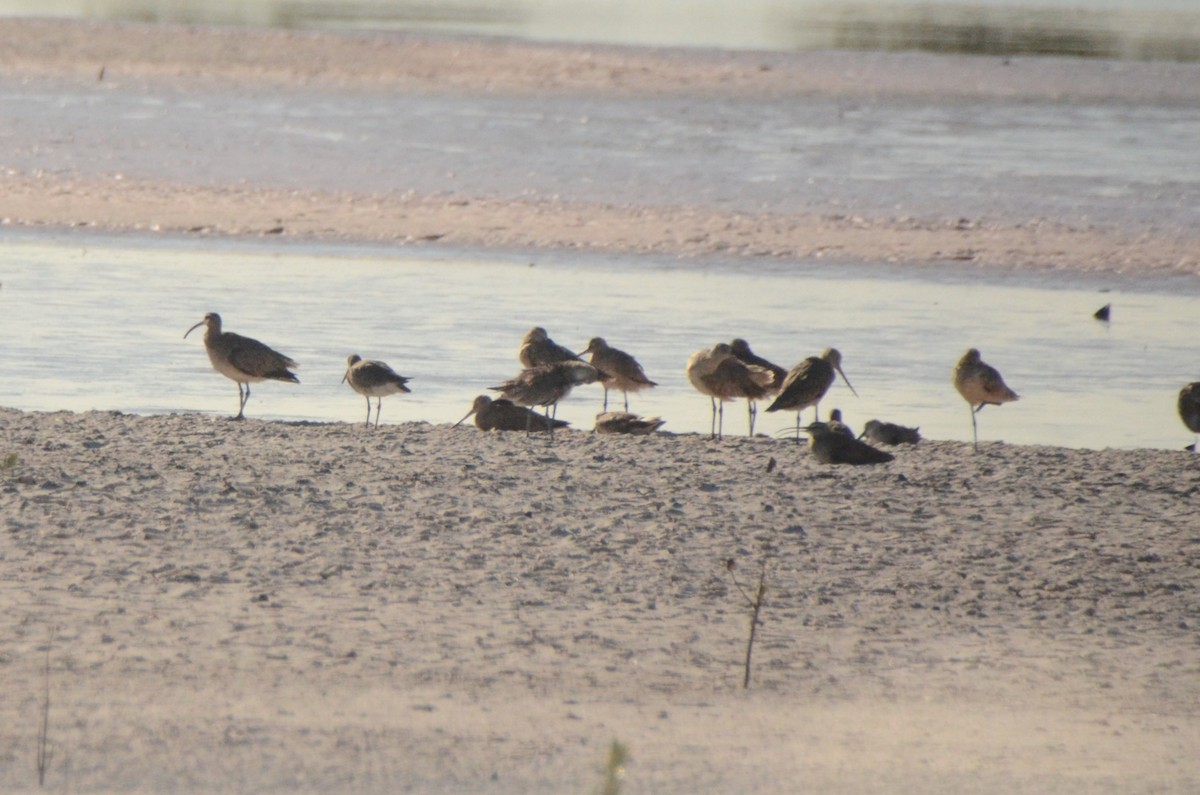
(537, 349)
(716, 372)
(889, 433)
(808, 382)
(624, 422)
(1189, 408)
(741, 349)
(504, 415)
(981, 385)
(373, 379)
(831, 447)
(242, 359)
(623, 370)
(547, 384)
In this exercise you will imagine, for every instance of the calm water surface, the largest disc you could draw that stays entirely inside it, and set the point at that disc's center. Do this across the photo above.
(98, 324)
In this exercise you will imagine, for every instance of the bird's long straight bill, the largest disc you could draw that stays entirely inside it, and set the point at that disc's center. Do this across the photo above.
(847, 380)
(464, 419)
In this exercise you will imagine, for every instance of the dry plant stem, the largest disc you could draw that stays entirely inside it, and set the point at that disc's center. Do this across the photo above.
(756, 605)
(44, 754)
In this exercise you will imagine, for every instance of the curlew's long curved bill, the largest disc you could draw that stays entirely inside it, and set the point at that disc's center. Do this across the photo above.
(347, 375)
(193, 328)
(464, 419)
(847, 380)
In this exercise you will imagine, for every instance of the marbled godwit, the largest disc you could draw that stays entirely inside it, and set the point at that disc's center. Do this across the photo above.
(373, 379)
(980, 385)
(623, 370)
(830, 447)
(741, 349)
(808, 382)
(537, 349)
(624, 422)
(504, 415)
(547, 384)
(242, 359)
(722, 376)
(889, 433)
(1189, 408)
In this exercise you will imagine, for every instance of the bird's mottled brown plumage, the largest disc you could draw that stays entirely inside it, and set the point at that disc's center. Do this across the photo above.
(807, 383)
(980, 385)
(242, 359)
(623, 371)
(537, 349)
(830, 447)
(373, 379)
(624, 422)
(504, 415)
(716, 372)
(547, 384)
(890, 433)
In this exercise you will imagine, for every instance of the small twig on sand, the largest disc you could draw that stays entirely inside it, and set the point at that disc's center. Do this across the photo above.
(44, 752)
(756, 605)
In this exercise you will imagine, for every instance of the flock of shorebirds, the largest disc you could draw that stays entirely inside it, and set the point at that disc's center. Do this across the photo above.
(725, 372)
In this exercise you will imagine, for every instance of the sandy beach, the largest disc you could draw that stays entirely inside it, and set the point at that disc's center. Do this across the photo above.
(197, 605)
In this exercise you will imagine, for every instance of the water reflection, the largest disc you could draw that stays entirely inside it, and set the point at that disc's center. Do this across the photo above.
(1153, 30)
(102, 327)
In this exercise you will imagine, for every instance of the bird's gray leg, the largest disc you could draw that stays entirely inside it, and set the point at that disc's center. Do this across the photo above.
(720, 419)
(975, 429)
(378, 408)
(605, 397)
(626, 395)
(242, 400)
(368, 411)
(752, 412)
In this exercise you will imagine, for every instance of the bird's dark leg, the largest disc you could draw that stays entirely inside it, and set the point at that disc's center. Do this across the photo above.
(242, 400)
(752, 411)
(605, 397)
(712, 423)
(626, 395)
(720, 419)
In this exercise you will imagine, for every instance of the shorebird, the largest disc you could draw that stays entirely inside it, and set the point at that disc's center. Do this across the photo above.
(624, 422)
(808, 382)
(1189, 408)
(722, 376)
(242, 359)
(504, 415)
(741, 349)
(981, 385)
(623, 370)
(537, 348)
(837, 426)
(830, 447)
(889, 433)
(547, 384)
(373, 379)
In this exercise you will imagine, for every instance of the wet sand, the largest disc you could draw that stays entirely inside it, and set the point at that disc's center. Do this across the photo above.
(317, 608)
(133, 60)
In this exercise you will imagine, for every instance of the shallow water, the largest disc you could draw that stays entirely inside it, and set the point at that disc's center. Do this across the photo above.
(98, 324)
(1135, 29)
(1110, 163)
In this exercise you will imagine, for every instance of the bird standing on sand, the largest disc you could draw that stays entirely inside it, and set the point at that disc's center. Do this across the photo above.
(504, 415)
(831, 447)
(537, 349)
(624, 371)
(981, 385)
(889, 433)
(722, 376)
(1189, 408)
(741, 349)
(373, 379)
(624, 422)
(547, 384)
(808, 382)
(242, 359)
